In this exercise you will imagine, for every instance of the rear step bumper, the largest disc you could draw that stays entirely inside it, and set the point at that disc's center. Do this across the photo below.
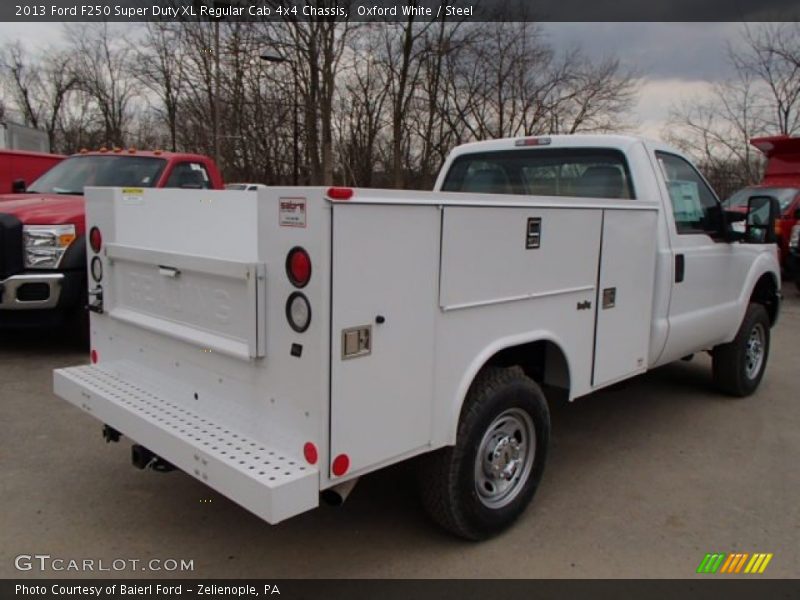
(264, 480)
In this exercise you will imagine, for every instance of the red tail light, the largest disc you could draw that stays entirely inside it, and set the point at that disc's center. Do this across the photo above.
(340, 465)
(95, 239)
(298, 267)
(93, 355)
(340, 193)
(310, 453)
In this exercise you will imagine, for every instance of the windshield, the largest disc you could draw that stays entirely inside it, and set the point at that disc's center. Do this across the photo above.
(740, 198)
(73, 174)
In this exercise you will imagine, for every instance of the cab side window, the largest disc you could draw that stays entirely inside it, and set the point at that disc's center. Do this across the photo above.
(191, 175)
(695, 208)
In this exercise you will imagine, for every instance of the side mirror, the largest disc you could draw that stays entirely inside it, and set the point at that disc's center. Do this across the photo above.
(762, 212)
(18, 186)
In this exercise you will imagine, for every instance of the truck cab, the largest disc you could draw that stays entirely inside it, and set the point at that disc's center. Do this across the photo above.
(42, 227)
(283, 343)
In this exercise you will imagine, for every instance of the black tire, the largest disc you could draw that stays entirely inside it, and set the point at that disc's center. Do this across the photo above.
(449, 478)
(734, 370)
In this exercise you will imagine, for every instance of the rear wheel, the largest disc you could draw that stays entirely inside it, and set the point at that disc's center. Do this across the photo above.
(481, 485)
(739, 365)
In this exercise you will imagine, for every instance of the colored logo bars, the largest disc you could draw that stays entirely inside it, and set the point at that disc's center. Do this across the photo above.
(737, 562)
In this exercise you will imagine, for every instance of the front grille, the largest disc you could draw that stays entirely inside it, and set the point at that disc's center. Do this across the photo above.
(10, 245)
(33, 292)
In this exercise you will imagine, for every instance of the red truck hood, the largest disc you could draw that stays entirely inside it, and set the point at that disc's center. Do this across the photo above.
(45, 209)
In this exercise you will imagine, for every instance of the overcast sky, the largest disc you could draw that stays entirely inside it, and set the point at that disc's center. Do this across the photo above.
(675, 60)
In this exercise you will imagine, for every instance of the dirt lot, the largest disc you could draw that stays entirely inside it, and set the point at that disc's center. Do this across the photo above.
(642, 481)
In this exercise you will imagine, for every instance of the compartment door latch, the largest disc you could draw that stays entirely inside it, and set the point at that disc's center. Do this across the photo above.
(356, 341)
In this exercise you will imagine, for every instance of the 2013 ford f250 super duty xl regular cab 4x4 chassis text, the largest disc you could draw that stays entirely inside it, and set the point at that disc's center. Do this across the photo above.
(282, 343)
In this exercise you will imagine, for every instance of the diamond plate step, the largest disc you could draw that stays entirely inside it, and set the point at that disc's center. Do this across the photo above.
(263, 479)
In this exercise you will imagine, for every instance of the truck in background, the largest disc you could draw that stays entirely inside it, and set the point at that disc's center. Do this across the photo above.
(14, 136)
(42, 227)
(19, 168)
(280, 344)
(782, 180)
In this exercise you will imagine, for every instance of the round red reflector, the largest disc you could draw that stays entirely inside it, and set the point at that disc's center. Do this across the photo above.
(94, 357)
(298, 267)
(310, 452)
(95, 239)
(340, 465)
(340, 193)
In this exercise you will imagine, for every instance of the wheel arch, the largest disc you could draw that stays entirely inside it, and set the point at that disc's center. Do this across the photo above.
(541, 356)
(766, 292)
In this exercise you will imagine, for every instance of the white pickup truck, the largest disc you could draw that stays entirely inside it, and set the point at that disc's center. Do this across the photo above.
(279, 344)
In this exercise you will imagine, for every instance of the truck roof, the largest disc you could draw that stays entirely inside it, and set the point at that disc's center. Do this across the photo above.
(146, 153)
(620, 142)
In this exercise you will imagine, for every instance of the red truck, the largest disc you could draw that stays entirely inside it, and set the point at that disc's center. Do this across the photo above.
(19, 168)
(42, 228)
(781, 180)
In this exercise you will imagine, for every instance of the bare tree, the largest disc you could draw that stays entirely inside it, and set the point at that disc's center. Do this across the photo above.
(40, 87)
(360, 111)
(772, 56)
(102, 63)
(159, 66)
(367, 104)
(761, 98)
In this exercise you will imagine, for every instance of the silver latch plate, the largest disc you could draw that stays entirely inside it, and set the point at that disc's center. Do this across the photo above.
(356, 341)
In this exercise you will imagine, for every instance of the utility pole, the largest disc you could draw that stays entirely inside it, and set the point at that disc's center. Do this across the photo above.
(216, 94)
(295, 124)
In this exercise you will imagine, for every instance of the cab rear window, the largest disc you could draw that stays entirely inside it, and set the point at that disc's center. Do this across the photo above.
(578, 172)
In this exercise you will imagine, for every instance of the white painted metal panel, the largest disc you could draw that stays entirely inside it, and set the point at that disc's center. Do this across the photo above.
(627, 272)
(281, 401)
(385, 263)
(265, 479)
(485, 260)
(212, 303)
(201, 222)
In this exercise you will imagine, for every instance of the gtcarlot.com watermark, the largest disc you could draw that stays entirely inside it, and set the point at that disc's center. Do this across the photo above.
(47, 563)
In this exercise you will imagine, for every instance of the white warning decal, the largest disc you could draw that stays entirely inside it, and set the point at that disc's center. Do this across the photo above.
(292, 212)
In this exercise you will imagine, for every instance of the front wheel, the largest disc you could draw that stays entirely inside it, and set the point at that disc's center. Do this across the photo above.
(739, 365)
(481, 485)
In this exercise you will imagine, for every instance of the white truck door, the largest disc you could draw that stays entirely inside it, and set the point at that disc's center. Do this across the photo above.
(625, 294)
(385, 278)
(707, 278)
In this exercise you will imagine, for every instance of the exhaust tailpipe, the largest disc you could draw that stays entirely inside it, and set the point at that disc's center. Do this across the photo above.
(141, 456)
(336, 495)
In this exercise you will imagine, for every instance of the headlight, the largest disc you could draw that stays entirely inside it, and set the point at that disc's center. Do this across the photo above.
(44, 245)
(794, 239)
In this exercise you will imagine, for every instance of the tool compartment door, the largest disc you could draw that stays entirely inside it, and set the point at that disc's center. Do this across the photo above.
(625, 294)
(385, 264)
(183, 264)
(215, 304)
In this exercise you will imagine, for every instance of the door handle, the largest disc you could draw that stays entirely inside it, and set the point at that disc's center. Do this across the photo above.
(680, 267)
(168, 271)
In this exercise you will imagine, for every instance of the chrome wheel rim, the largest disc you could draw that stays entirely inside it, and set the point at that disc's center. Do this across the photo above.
(505, 458)
(754, 351)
